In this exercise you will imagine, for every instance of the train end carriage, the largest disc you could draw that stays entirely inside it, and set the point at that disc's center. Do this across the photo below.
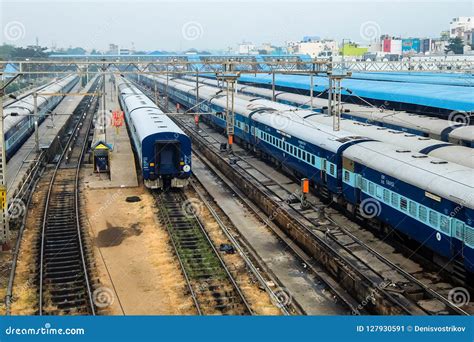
(163, 149)
(165, 156)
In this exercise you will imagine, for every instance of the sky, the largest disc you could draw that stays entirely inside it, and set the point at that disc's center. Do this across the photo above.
(219, 24)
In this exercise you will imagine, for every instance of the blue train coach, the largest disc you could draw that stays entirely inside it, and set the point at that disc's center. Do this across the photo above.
(163, 149)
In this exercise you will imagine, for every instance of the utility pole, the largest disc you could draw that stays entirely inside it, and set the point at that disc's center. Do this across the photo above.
(230, 79)
(156, 94)
(4, 224)
(335, 95)
(273, 86)
(5, 227)
(36, 118)
(197, 91)
(167, 82)
(196, 116)
(311, 86)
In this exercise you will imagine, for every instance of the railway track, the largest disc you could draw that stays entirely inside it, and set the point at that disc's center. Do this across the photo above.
(210, 283)
(64, 285)
(378, 284)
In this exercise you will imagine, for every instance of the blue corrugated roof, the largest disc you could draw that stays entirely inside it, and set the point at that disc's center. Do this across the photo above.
(464, 80)
(432, 95)
(10, 69)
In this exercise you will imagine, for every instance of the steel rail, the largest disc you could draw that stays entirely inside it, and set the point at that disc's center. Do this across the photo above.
(46, 211)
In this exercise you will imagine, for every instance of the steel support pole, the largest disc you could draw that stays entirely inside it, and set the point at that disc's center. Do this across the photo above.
(104, 116)
(330, 112)
(311, 91)
(197, 92)
(4, 225)
(36, 117)
(167, 82)
(273, 87)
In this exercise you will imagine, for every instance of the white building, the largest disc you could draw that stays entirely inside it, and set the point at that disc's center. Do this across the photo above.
(315, 48)
(246, 48)
(459, 26)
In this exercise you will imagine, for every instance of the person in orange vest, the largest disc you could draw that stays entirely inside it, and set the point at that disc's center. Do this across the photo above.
(196, 120)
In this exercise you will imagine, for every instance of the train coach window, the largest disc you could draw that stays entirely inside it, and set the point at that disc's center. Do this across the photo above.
(346, 176)
(364, 184)
(403, 204)
(433, 218)
(394, 199)
(386, 196)
(371, 187)
(422, 213)
(444, 224)
(412, 208)
(299, 153)
(332, 171)
(459, 230)
(469, 236)
(378, 192)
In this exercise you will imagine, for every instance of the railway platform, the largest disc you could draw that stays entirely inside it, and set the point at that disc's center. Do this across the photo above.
(122, 171)
(24, 159)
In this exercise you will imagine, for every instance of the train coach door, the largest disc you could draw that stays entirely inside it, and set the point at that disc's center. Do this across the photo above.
(324, 177)
(167, 157)
(458, 231)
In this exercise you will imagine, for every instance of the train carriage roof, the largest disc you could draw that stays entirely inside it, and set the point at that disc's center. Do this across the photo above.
(25, 106)
(448, 180)
(317, 134)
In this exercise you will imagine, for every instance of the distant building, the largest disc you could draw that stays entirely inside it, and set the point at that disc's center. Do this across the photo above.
(352, 49)
(124, 52)
(113, 49)
(459, 26)
(469, 37)
(311, 39)
(291, 47)
(266, 49)
(437, 46)
(314, 48)
(246, 48)
(410, 46)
